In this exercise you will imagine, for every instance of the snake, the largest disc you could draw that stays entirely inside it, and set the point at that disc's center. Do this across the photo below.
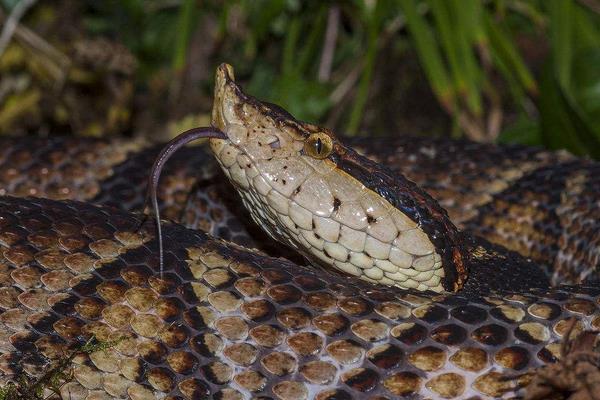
(392, 296)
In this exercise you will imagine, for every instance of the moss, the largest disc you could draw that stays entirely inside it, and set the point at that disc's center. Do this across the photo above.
(25, 387)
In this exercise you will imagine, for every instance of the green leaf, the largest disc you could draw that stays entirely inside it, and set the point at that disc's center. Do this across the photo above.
(523, 131)
(449, 43)
(469, 14)
(586, 29)
(288, 59)
(304, 99)
(561, 12)
(429, 54)
(560, 126)
(375, 14)
(363, 89)
(572, 32)
(184, 32)
(466, 35)
(586, 83)
(308, 54)
(502, 45)
(261, 14)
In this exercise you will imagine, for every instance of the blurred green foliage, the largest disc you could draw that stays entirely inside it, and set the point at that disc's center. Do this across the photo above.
(523, 71)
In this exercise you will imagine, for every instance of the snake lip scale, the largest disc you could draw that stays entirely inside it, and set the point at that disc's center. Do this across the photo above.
(459, 317)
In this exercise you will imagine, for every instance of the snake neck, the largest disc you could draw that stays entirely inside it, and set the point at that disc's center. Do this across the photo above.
(309, 191)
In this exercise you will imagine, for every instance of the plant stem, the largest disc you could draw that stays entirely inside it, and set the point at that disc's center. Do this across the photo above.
(365, 80)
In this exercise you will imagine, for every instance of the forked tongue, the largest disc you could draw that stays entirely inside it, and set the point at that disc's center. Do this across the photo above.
(170, 148)
(224, 73)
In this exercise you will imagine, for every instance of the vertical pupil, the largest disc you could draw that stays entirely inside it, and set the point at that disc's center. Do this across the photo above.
(319, 146)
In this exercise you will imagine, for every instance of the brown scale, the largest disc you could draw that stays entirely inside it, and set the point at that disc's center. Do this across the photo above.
(185, 333)
(548, 215)
(59, 168)
(538, 203)
(115, 172)
(462, 175)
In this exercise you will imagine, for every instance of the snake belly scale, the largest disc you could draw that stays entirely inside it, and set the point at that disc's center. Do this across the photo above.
(226, 322)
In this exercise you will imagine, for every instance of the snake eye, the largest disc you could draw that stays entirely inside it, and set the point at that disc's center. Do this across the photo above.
(318, 145)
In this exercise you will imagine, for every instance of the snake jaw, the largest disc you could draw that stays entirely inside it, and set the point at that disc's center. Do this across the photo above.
(337, 208)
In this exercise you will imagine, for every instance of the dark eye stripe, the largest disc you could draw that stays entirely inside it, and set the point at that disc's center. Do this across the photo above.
(319, 146)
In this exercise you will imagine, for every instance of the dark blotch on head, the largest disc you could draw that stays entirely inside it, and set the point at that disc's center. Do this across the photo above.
(336, 203)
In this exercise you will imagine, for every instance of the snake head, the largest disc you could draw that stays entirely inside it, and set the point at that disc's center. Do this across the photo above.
(308, 190)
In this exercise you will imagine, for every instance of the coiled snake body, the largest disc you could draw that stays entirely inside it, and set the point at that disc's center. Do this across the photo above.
(228, 322)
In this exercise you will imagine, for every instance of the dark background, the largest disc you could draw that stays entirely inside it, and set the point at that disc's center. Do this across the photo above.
(521, 71)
